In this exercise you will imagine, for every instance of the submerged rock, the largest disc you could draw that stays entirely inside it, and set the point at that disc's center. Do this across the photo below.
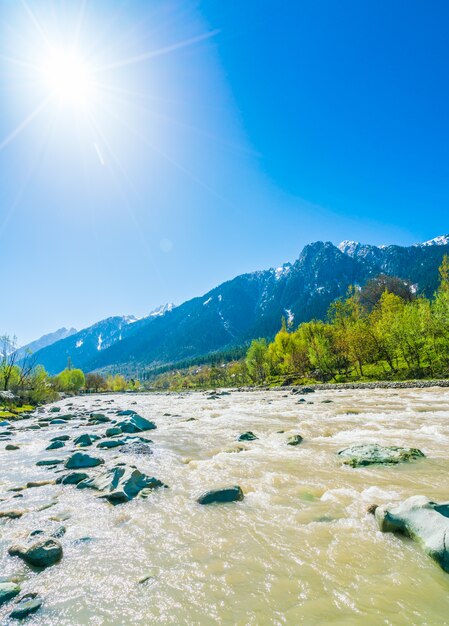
(8, 591)
(121, 483)
(228, 494)
(49, 462)
(248, 436)
(110, 443)
(422, 520)
(375, 454)
(44, 552)
(294, 440)
(81, 459)
(28, 604)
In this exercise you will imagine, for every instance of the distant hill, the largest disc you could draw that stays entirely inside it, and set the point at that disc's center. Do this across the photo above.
(43, 342)
(249, 306)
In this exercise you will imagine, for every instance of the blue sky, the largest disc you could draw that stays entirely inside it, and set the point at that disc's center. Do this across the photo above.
(222, 137)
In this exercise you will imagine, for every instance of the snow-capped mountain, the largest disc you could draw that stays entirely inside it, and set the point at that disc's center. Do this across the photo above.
(249, 306)
(442, 240)
(44, 341)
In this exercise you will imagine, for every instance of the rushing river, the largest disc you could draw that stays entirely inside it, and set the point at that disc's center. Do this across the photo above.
(299, 549)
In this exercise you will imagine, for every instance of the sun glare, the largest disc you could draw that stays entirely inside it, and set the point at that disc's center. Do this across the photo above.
(67, 77)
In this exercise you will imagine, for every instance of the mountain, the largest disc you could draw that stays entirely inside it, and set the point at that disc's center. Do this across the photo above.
(249, 306)
(43, 342)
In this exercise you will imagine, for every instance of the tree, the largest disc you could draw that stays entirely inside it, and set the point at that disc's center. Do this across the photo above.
(70, 380)
(372, 291)
(257, 360)
(95, 381)
(8, 358)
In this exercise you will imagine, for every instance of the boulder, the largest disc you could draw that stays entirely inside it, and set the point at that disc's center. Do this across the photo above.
(8, 591)
(248, 436)
(14, 514)
(85, 440)
(113, 431)
(375, 454)
(136, 424)
(81, 460)
(55, 445)
(39, 483)
(110, 443)
(55, 422)
(61, 438)
(100, 418)
(422, 520)
(55, 409)
(294, 440)
(27, 604)
(72, 478)
(121, 483)
(44, 552)
(49, 462)
(11, 446)
(228, 494)
(126, 412)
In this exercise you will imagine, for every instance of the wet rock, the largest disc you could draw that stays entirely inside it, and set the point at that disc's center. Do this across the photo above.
(375, 454)
(86, 440)
(28, 604)
(81, 460)
(55, 445)
(136, 424)
(55, 409)
(44, 552)
(422, 520)
(110, 443)
(56, 421)
(121, 483)
(44, 462)
(13, 514)
(11, 446)
(8, 591)
(39, 483)
(294, 440)
(229, 494)
(35, 426)
(99, 418)
(60, 438)
(4, 423)
(303, 390)
(126, 412)
(248, 436)
(72, 478)
(113, 431)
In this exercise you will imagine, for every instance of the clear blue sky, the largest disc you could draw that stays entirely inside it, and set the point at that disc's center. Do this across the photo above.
(220, 137)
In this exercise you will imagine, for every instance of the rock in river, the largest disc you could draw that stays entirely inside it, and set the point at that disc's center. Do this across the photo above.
(248, 436)
(81, 459)
(110, 443)
(136, 424)
(229, 494)
(8, 591)
(121, 483)
(28, 604)
(49, 462)
(72, 478)
(375, 454)
(55, 445)
(85, 440)
(294, 440)
(41, 553)
(422, 520)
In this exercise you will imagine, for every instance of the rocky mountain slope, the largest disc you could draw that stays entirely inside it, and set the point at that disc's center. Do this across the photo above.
(249, 306)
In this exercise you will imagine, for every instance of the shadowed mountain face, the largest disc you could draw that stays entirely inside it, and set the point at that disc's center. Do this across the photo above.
(246, 307)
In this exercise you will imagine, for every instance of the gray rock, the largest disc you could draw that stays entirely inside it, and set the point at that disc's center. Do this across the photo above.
(248, 436)
(375, 454)
(61, 438)
(136, 424)
(55, 409)
(126, 412)
(13, 514)
(80, 460)
(113, 431)
(28, 604)
(422, 520)
(110, 443)
(72, 478)
(56, 421)
(8, 591)
(11, 446)
(228, 494)
(44, 552)
(294, 440)
(121, 483)
(49, 462)
(100, 418)
(55, 445)
(85, 440)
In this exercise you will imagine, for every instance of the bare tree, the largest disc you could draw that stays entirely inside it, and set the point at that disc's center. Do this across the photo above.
(8, 358)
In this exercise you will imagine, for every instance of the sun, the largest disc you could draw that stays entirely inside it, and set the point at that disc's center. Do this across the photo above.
(68, 77)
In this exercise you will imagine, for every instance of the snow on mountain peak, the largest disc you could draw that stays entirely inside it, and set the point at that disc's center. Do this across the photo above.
(441, 240)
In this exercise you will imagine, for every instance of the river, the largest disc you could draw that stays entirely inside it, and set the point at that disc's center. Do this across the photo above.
(299, 549)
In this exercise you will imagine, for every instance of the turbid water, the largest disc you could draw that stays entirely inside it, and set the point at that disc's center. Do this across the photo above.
(299, 549)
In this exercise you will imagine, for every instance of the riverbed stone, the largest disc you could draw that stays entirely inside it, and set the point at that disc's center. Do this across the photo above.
(113, 431)
(81, 459)
(420, 519)
(60, 438)
(12, 514)
(45, 462)
(55, 409)
(294, 440)
(72, 478)
(375, 454)
(136, 424)
(85, 440)
(110, 443)
(44, 552)
(27, 604)
(55, 445)
(126, 412)
(8, 591)
(228, 494)
(99, 418)
(121, 483)
(248, 436)
(11, 446)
